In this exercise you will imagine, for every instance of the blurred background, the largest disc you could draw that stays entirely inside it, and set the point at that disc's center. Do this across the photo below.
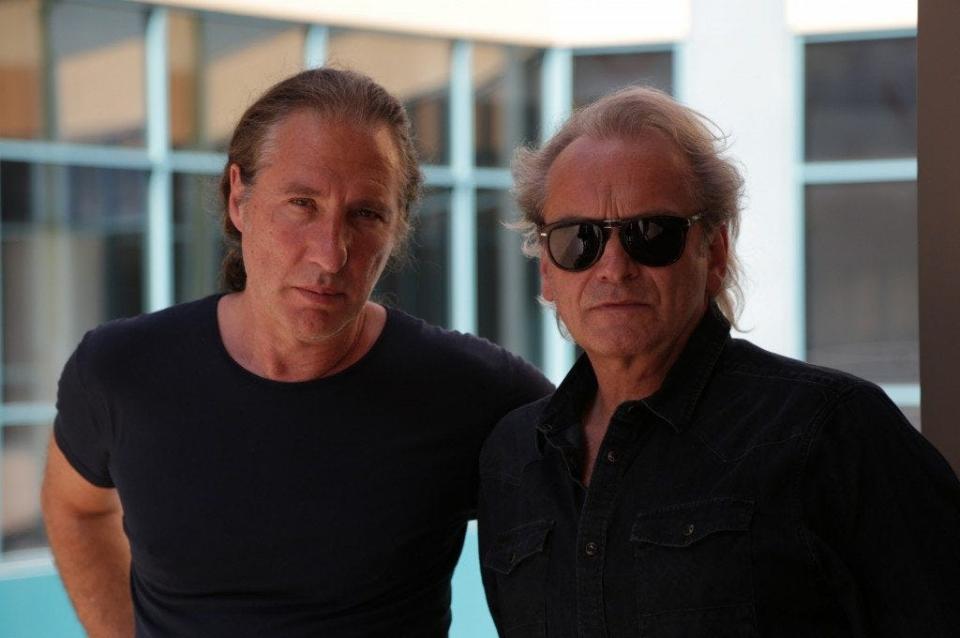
(114, 117)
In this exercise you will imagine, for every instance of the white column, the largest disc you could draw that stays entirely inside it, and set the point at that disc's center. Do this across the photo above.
(740, 67)
(557, 102)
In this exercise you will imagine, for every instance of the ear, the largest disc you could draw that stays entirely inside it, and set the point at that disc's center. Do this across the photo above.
(546, 277)
(235, 200)
(717, 254)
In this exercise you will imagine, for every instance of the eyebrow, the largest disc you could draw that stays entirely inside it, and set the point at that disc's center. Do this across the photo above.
(649, 213)
(301, 189)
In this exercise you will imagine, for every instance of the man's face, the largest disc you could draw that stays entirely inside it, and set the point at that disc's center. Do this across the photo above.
(619, 308)
(319, 222)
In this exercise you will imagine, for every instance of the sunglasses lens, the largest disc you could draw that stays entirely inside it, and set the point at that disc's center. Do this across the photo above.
(654, 241)
(576, 246)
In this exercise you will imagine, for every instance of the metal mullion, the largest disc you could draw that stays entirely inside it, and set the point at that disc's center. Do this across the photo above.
(463, 218)
(440, 176)
(800, 253)
(859, 36)
(557, 102)
(315, 46)
(493, 178)
(50, 127)
(3, 411)
(67, 154)
(664, 47)
(511, 300)
(859, 171)
(159, 236)
(199, 162)
(28, 413)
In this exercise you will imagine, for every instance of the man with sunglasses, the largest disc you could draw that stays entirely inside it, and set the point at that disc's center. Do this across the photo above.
(680, 482)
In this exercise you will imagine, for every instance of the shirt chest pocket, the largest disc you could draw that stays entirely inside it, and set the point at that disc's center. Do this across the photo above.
(692, 568)
(518, 559)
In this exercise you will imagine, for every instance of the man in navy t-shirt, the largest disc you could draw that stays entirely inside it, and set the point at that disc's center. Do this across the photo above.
(289, 458)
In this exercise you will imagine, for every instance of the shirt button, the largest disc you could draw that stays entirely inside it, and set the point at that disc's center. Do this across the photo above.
(688, 530)
(591, 549)
(612, 456)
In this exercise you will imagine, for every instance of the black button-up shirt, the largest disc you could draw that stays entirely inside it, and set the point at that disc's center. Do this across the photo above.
(752, 495)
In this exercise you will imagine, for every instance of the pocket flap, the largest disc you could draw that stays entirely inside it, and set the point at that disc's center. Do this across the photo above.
(513, 546)
(683, 525)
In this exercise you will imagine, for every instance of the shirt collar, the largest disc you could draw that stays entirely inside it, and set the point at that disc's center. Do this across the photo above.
(674, 402)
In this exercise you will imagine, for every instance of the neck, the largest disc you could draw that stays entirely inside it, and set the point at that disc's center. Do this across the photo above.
(256, 341)
(633, 377)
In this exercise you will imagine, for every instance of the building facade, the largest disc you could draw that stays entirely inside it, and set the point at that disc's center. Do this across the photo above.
(114, 117)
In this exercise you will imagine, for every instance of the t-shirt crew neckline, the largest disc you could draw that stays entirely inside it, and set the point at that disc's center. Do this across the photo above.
(371, 355)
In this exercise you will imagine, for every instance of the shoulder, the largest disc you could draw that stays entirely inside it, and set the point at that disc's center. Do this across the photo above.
(122, 345)
(756, 397)
(514, 442)
(459, 357)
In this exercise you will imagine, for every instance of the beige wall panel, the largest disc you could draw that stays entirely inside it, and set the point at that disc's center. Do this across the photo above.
(534, 22)
(90, 102)
(237, 79)
(19, 46)
(406, 67)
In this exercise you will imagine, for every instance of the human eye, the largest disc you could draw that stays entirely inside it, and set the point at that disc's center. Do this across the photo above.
(302, 202)
(368, 213)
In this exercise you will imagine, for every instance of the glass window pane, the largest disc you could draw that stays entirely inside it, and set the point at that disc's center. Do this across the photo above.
(415, 70)
(24, 451)
(861, 256)
(218, 66)
(21, 50)
(198, 247)
(596, 75)
(507, 101)
(72, 253)
(97, 68)
(508, 281)
(418, 285)
(861, 99)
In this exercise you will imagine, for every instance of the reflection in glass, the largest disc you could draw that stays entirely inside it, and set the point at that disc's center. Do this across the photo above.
(21, 81)
(24, 449)
(416, 70)
(508, 282)
(418, 284)
(97, 65)
(72, 258)
(596, 75)
(198, 247)
(507, 101)
(218, 66)
(861, 99)
(861, 256)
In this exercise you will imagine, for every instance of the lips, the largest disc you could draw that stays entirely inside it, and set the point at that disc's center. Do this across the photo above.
(319, 294)
(618, 304)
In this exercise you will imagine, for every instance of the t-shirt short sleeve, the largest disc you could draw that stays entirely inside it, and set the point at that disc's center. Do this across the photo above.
(81, 428)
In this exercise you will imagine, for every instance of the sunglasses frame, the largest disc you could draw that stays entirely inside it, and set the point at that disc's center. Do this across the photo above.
(606, 225)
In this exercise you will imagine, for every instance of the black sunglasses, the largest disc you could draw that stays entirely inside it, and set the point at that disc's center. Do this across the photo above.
(654, 240)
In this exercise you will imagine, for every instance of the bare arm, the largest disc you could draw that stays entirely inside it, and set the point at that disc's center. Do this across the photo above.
(91, 551)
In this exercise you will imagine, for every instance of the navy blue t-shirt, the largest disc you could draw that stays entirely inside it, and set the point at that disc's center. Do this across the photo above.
(333, 507)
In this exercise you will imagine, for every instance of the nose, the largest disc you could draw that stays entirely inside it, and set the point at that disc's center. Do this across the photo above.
(615, 265)
(328, 244)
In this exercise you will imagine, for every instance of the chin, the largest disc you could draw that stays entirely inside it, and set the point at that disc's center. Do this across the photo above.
(312, 326)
